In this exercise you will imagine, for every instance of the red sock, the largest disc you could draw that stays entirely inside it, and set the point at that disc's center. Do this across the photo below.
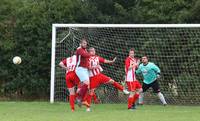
(130, 102)
(95, 98)
(118, 86)
(82, 92)
(89, 98)
(85, 97)
(136, 96)
(71, 101)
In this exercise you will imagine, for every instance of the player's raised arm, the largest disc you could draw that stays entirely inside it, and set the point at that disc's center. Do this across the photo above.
(110, 61)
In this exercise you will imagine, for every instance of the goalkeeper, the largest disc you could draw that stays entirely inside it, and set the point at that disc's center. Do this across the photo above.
(150, 73)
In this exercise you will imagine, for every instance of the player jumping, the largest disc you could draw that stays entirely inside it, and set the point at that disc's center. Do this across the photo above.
(82, 70)
(96, 77)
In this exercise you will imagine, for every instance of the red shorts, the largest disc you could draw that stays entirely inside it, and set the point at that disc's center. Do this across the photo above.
(97, 80)
(132, 86)
(72, 79)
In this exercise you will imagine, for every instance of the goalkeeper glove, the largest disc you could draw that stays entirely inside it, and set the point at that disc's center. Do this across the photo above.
(158, 75)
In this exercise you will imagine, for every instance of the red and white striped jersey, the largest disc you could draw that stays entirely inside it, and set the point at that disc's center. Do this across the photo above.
(94, 62)
(70, 63)
(130, 73)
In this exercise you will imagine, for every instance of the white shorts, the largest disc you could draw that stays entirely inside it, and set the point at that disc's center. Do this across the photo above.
(82, 73)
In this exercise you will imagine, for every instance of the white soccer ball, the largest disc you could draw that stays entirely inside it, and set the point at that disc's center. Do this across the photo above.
(17, 60)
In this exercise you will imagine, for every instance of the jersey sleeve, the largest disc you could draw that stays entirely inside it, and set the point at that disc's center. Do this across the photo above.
(101, 60)
(127, 64)
(138, 71)
(83, 53)
(64, 61)
(156, 68)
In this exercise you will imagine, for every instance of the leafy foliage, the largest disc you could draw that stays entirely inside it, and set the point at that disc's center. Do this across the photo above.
(25, 30)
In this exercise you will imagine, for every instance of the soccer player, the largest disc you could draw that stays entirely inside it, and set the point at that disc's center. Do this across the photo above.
(82, 70)
(96, 77)
(72, 80)
(150, 73)
(134, 86)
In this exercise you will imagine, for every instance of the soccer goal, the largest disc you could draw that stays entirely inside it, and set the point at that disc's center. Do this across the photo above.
(175, 48)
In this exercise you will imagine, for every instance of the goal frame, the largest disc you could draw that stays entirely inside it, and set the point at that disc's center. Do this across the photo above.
(55, 26)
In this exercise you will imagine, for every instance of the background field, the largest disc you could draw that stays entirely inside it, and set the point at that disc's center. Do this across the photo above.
(44, 111)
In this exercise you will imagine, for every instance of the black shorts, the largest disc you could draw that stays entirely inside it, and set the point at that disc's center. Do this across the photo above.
(154, 85)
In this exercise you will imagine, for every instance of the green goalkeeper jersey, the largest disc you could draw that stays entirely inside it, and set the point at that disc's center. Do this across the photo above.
(149, 72)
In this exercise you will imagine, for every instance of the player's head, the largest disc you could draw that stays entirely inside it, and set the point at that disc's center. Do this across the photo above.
(83, 43)
(144, 59)
(92, 51)
(73, 52)
(131, 53)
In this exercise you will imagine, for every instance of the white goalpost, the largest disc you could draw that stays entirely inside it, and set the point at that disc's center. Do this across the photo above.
(174, 47)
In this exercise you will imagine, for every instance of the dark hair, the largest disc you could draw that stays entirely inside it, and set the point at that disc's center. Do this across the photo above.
(132, 49)
(145, 56)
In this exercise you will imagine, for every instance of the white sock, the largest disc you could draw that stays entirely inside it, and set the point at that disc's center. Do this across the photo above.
(162, 98)
(141, 98)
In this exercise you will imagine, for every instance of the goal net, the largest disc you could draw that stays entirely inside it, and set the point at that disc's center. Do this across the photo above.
(175, 48)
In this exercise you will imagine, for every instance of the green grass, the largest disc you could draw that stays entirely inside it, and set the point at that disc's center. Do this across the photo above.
(44, 111)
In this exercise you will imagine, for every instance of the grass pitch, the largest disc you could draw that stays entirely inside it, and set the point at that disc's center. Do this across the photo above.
(44, 111)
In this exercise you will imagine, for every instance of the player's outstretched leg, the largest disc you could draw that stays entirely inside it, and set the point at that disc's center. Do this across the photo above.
(118, 86)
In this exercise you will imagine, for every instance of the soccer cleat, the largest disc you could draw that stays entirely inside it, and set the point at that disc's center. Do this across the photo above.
(86, 103)
(72, 110)
(88, 110)
(165, 104)
(126, 92)
(131, 109)
(133, 106)
(141, 103)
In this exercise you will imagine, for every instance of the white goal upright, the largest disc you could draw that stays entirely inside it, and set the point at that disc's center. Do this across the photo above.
(175, 48)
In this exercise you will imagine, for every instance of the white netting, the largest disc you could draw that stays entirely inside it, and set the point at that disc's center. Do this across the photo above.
(175, 50)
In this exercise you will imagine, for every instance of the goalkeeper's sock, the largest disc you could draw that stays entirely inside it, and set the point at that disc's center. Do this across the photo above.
(135, 97)
(118, 86)
(141, 98)
(71, 101)
(130, 102)
(162, 98)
